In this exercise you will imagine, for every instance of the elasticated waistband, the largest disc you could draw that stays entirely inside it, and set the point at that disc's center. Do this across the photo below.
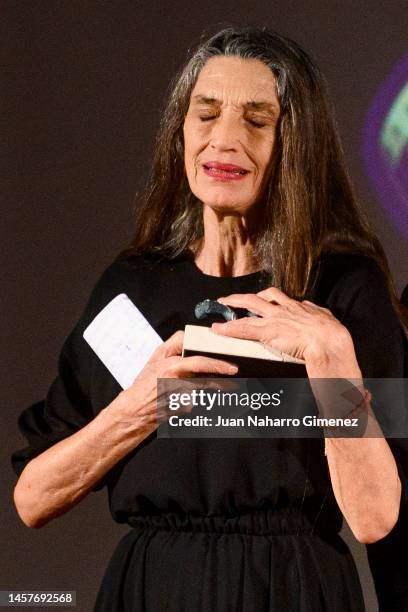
(262, 522)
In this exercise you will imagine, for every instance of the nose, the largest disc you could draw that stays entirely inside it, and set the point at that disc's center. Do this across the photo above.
(226, 132)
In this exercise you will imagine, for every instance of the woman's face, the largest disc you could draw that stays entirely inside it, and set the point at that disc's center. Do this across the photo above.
(229, 132)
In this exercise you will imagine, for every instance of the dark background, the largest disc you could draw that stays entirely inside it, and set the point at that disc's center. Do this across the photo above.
(83, 87)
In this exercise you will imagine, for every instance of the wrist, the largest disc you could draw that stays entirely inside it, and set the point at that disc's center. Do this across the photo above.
(117, 419)
(336, 359)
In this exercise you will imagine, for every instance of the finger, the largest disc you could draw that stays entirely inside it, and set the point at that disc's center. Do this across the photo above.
(172, 346)
(248, 328)
(250, 301)
(218, 384)
(198, 364)
(273, 294)
(228, 384)
(168, 406)
(186, 384)
(178, 387)
(182, 392)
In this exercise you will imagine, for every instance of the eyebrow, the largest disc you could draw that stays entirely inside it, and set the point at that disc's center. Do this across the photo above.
(260, 105)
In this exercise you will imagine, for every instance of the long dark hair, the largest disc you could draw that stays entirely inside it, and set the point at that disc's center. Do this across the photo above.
(308, 203)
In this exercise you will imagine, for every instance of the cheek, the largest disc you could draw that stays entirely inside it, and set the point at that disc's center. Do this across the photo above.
(188, 156)
(191, 147)
(265, 152)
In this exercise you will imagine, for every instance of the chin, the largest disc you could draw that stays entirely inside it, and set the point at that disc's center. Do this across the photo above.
(225, 203)
(227, 207)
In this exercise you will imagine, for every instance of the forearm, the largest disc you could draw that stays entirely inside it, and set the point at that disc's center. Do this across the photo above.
(61, 476)
(363, 471)
(366, 485)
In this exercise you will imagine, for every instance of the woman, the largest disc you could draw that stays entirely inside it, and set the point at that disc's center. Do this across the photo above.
(248, 201)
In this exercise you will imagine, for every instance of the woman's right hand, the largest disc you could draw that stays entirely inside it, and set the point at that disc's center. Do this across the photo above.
(140, 401)
(59, 477)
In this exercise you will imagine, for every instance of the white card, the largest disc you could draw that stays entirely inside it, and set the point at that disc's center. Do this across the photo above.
(123, 339)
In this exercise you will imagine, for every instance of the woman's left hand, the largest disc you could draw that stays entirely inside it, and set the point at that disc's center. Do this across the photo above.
(301, 329)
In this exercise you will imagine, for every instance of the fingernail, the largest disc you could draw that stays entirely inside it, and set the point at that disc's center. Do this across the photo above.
(233, 369)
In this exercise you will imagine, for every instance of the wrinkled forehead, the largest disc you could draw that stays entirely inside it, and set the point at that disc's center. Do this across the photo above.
(235, 80)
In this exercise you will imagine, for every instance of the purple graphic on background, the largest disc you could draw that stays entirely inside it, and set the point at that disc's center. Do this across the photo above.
(385, 145)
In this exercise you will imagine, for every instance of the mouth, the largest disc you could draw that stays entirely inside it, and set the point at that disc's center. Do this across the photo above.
(224, 172)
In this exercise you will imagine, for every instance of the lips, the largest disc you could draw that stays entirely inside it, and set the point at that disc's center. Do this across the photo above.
(224, 171)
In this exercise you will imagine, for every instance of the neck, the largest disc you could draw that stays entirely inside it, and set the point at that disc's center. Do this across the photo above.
(226, 248)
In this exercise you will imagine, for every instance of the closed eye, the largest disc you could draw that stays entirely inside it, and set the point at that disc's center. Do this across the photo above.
(256, 123)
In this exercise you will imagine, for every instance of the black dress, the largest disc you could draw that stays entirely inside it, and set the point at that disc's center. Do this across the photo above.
(218, 524)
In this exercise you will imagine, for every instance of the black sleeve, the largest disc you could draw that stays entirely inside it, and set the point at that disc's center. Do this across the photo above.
(67, 406)
(379, 344)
